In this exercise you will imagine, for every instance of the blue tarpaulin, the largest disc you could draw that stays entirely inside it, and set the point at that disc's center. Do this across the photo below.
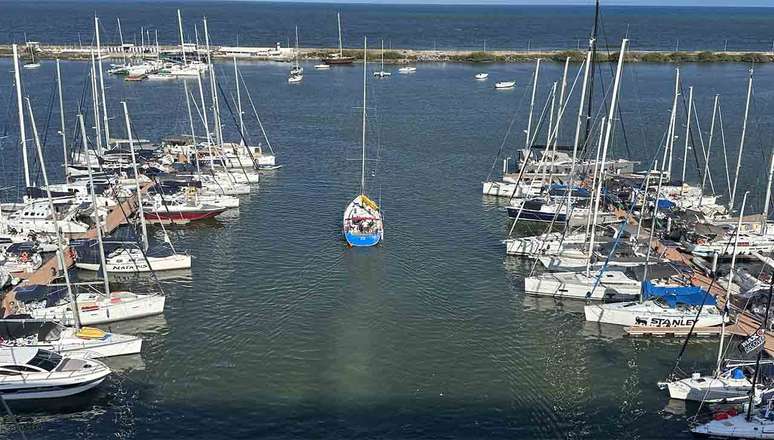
(674, 295)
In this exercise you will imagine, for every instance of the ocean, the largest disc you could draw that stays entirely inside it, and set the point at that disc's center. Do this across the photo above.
(280, 331)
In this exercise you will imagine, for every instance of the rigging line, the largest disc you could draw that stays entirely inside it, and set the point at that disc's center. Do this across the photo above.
(725, 151)
(238, 129)
(255, 112)
(705, 152)
(619, 110)
(516, 112)
(726, 306)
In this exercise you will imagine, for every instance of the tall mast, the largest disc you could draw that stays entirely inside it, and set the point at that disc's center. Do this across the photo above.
(730, 281)
(341, 47)
(767, 200)
(672, 122)
(156, 40)
(136, 178)
(586, 70)
(296, 50)
(102, 84)
(382, 55)
(593, 50)
(193, 131)
(62, 128)
(22, 128)
(532, 104)
(213, 89)
(60, 250)
(687, 132)
(239, 105)
(606, 144)
(121, 38)
(741, 143)
(560, 111)
(204, 110)
(95, 105)
(365, 70)
(97, 223)
(182, 41)
(709, 149)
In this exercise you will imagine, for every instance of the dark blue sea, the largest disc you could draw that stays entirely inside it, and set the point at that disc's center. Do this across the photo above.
(279, 331)
(401, 26)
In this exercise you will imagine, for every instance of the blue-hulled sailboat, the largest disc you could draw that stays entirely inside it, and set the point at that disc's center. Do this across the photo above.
(363, 226)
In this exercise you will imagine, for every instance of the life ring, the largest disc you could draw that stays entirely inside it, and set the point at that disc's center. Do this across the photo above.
(24, 257)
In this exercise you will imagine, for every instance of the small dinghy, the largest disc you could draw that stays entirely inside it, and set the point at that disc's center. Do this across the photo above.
(407, 69)
(322, 66)
(505, 84)
(481, 76)
(31, 373)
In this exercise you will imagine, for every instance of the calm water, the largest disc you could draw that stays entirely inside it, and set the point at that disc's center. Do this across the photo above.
(404, 26)
(280, 331)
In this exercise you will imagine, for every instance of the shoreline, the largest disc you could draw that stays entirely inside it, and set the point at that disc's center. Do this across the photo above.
(405, 56)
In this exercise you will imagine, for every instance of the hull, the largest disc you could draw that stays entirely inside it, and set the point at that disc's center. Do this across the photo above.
(126, 265)
(651, 315)
(362, 240)
(184, 216)
(103, 311)
(50, 392)
(737, 427)
(339, 61)
(710, 390)
(578, 286)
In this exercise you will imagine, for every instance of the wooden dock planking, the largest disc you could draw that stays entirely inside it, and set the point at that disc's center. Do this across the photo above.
(678, 332)
(47, 272)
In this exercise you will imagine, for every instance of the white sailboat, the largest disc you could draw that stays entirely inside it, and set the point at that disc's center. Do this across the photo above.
(505, 85)
(381, 73)
(297, 72)
(482, 76)
(363, 225)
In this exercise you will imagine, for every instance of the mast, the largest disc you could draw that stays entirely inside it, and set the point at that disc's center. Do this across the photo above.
(182, 41)
(296, 53)
(156, 40)
(121, 38)
(382, 55)
(239, 105)
(95, 105)
(97, 222)
(765, 223)
(62, 127)
(193, 131)
(532, 105)
(652, 228)
(560, 111)
(672, 124)
(741, 143)
(709, 149)
(365, 70)
(730, 281)
(213, 89)
(136, 178)
(687, 132)
(22, 128)
(586, 70)
(102, 85)
(589, 235)
(204, 111)
(606, 144)
(341, 47)
(593, 51)
(60, 250)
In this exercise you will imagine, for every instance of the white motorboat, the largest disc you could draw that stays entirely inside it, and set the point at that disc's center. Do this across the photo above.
(32, 373)
(322, 66)
(97, 308)
(505, 84)
(481, 76)
(594, 286)
(36, 216)
(407, 69)
(49, 335)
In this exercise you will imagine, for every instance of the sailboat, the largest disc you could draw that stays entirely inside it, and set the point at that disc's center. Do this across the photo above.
(363, 226)
(752, 423)
(381, 73)
(338, 57)
(33, 64)
(297, 72)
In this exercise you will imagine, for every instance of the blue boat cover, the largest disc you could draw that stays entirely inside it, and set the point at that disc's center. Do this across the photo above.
(665, 204)
(39, 292)
(362, 240)
(674, 295)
